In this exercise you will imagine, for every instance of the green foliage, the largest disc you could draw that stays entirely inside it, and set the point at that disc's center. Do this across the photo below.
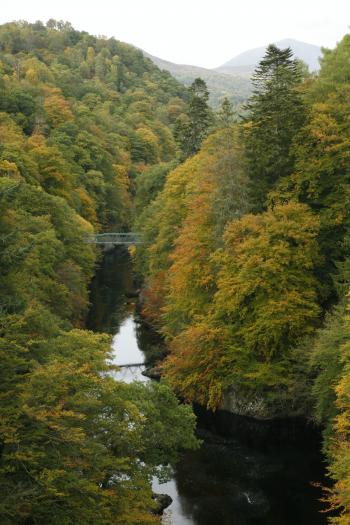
(225, 115)
(80, 117)
(86, 124)
(79, 439)
(246, 301)
(275, 113)
(236, 88)
(248, 333)
(85, 115)
(330, 359)
(193, 127)
(321, 173)
(149, 183)
(327, 365)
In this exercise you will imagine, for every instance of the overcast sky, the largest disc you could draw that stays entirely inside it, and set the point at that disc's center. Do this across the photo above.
(200, 32)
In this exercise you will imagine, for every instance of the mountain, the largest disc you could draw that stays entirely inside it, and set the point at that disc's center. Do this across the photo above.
(232, 79)
(236, 88)
(244, 63)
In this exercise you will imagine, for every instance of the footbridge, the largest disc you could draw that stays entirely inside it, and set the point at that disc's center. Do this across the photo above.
(129, 371)
(115, 239)
(131, 365)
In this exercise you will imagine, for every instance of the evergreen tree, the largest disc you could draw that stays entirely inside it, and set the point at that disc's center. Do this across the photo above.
(193, 127)
(275, 114)
(225, 115)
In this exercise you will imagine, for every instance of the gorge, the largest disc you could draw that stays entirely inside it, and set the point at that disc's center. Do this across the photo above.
(246, 472)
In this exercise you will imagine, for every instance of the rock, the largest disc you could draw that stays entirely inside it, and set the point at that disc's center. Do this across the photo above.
(260, 406)
(152, 372)
(163, 501)
(250, 405)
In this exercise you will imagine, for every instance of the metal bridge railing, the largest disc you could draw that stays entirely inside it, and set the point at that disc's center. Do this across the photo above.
(128, 238)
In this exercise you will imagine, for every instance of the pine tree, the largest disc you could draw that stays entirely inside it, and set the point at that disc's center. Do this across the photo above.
(275, 113)
(191, 129)
(225, 115)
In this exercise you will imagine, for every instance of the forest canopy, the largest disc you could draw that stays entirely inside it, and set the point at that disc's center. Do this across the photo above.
(80, 118)
(246, 265)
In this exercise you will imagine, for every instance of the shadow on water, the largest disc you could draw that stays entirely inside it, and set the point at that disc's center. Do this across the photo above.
(246, 472)
(250, 472)
(111, 292)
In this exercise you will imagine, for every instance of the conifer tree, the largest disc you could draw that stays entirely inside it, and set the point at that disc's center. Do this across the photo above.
(193, 127)
(275, 113)
(225, 115)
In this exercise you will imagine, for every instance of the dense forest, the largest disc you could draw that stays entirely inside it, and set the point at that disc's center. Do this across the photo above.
(247, 259)
(245, 265)
(80, 119)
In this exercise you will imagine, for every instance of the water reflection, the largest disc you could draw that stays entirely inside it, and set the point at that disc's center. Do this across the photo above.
(228, 484)
(112, 293)
(241, 475)
(127, 354)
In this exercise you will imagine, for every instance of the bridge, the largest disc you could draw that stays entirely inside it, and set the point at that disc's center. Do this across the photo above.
(115, 239)
(129, 372)
(131, 365)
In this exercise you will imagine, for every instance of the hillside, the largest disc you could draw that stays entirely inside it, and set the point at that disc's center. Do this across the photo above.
(232, 79)
(235, 87)
(80, 118)
(247, 260)
(244, 63)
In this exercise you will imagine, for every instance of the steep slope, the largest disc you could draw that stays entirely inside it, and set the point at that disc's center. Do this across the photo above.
(80, 118)
(244, 63)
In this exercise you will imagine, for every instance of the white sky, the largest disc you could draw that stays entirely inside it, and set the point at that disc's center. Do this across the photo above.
(200, 32)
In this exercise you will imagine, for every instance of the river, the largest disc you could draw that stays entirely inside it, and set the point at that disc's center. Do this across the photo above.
(246, 472)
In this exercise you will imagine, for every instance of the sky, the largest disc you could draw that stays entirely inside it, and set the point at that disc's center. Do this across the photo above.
(204, 33)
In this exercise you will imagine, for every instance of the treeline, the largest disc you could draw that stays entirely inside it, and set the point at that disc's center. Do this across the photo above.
(80, 118)
(247, 256)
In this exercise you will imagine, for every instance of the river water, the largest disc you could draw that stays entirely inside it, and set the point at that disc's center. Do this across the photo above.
(246, 472)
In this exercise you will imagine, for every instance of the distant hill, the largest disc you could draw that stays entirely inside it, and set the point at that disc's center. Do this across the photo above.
(232, 79)
(245, 63)
(236, 88)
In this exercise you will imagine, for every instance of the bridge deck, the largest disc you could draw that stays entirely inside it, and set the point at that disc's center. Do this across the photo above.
(122, 238)
(130, 365)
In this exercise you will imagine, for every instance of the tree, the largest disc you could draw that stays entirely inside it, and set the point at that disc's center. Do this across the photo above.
(225, 115)
(331, 362)
(71, 437)
(81, 440)
(185, 222)
(321, 173)
(327, 366)
(191, 129)
(275, 113)
(265, 304)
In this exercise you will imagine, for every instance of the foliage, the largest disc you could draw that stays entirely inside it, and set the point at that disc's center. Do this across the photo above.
(80, 118)
(193, 127)
(190, 213)
(86, 115)
(331, 390)
(149, 183)
(254, 322)
(321, 174)
(235, 87)
(275, 113)
(246, 246)
(247, 300)
(327, 365)
(80, 440)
